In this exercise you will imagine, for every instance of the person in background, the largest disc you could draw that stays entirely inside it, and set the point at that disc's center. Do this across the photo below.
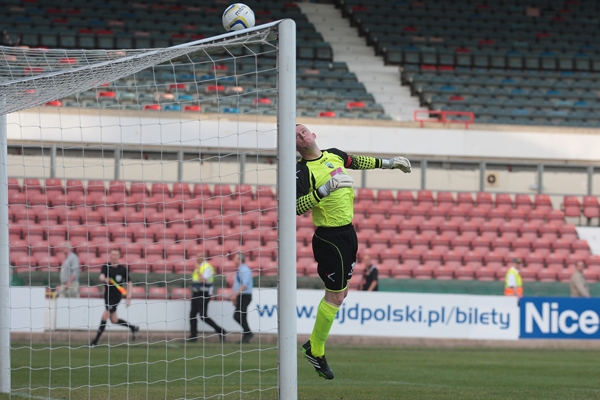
(371, 275)
(513, 284)
(323, 186)
(69, 273)
(202, 290)
(113, 275)
(578, 285)
(242, 295)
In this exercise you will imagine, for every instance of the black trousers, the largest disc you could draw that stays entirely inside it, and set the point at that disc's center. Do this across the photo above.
(200, 302)
(241, 311)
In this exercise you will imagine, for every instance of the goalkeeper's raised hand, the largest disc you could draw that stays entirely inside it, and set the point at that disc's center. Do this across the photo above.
(336, 182)
(398, 162)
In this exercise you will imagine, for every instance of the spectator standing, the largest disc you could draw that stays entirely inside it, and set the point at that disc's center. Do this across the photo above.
(202, 290)
(113, 275)
(323, 186)
(69, 273)
(242, 295)
(371, 275)
(578, 284)
(513, 284)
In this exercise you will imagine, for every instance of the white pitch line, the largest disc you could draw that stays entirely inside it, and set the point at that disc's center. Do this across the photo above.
(29, 396)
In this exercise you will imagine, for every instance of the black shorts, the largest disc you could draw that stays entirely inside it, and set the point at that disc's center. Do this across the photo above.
(335, 252)
(111, 303)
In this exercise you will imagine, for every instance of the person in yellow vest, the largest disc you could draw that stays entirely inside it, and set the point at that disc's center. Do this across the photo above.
(513, 284)
(202, 289)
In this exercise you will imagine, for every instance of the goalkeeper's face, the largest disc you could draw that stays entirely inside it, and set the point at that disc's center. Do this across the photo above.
(305, 139)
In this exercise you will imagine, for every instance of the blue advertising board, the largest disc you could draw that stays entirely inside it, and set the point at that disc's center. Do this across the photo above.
(560, 318)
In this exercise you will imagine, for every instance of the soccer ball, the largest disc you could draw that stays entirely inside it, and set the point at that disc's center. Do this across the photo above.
(238, 16)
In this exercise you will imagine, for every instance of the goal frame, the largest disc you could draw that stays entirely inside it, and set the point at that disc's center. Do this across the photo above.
(286, 260)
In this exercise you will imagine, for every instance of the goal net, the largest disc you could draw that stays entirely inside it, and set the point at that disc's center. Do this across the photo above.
(155, 160)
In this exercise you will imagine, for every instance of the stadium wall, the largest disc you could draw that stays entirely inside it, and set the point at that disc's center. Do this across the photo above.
(103, 127)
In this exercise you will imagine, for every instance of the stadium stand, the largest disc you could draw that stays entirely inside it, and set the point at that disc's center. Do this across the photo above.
(324, 87)
(528, 63)
(429, 239)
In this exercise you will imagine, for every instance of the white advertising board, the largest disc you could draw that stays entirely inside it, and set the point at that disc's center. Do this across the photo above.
(362, 314)
(28, 309)
(405, 315)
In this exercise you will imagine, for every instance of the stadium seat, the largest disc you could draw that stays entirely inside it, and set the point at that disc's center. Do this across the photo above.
(465, 272)
(465, 201)
(138, 292)
(90, 292)
(571, 206)
(504, 201)
(180, 294)
(158, 293)
(405, 196)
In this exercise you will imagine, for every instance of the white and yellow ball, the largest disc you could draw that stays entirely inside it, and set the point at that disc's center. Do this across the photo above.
(238, 16)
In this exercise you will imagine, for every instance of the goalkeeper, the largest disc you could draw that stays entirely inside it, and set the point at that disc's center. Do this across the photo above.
(323, 186)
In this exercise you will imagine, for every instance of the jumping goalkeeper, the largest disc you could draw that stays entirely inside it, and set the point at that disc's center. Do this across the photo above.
(323, 186)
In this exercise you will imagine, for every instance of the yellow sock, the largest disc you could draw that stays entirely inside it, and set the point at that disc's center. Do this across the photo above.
(325, 315)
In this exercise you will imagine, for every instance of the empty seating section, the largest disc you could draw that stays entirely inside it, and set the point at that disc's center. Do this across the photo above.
(325, 88)
(160, 229)
(508, 62)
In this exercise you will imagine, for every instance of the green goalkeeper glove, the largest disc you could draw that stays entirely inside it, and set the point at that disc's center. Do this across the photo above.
(336, 182)
(398, 162)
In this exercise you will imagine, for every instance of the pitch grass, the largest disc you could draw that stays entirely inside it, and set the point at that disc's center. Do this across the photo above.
(175, 371)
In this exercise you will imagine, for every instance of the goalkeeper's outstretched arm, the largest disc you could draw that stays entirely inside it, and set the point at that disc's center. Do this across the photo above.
(367, 162)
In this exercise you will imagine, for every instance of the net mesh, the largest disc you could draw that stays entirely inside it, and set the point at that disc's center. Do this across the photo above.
(32, 77)
(159, 153)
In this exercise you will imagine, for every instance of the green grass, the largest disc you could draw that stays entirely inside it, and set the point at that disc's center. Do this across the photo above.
(173, 371)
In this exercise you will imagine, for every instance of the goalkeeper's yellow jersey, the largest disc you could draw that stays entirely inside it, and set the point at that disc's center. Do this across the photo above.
(337, 209)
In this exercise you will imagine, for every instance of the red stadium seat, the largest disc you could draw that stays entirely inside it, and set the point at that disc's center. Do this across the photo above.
(157, 293)
(180, 294)
(405, 196)
(542, 201)
(529, 273)
(430, 227)
(386, 196)
(96, 187)
(439, 213)
(550, 273)
(181, 190)
(568, 231)
(485, 273)
(529, 231)
(571, 206)
(445, 198)
(138, 292)
(201, 190)
(420, 243)
(32, 185)
(484, 198)
(90, 292)
(14, 185)
(504, 201)
(425, 271)
(581, 248)
(490, 230)
(465, 273)
(54, 186)
(464, 200)
(523, 202)
(402, 270)
(425, 197)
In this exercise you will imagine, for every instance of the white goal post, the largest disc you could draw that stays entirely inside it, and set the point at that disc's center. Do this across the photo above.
(31, 78)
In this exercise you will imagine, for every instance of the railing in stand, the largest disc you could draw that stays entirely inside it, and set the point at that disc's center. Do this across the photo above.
(445, 117)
